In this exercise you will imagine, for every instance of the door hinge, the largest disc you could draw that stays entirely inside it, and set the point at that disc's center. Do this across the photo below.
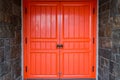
(93, 68)
(26, 69)
(25, 10)
(93, 40)
(93, 10)
(26, 40)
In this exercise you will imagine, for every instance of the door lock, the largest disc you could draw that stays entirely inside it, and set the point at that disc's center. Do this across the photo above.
(59, 46)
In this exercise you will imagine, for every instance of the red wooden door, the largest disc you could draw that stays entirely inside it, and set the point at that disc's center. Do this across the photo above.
(77, 39)
(48, 24)
(42, 54)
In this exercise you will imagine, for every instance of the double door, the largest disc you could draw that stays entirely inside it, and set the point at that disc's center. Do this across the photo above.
(59, 40)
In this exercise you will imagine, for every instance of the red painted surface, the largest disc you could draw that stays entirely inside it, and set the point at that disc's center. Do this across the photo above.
(47, 24)
(76, 56)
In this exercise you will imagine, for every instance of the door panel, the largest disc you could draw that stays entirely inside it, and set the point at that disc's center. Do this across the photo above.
(76, 30)
(43, 37)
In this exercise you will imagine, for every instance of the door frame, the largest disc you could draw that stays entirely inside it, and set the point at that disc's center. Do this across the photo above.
(24, 4)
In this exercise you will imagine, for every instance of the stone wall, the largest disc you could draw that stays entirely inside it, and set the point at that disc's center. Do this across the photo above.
(10, 39)
(109, 40)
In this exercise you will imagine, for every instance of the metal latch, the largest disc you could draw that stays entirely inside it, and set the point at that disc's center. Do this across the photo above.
(59, 46)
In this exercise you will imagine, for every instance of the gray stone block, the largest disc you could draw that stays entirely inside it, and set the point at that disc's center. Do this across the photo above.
(111, 77)
(1, 55)
(5, 68)
(16, 69)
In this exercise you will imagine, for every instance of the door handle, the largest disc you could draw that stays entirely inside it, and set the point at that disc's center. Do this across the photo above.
(59, 46)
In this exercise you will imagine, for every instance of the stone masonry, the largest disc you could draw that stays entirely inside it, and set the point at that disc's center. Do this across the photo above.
(10, 39)
(109, 40)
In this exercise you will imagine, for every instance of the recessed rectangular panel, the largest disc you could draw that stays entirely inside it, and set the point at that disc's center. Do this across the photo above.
(76, 45)
(43, 63)
(76, 21)
(76, 63)
(43, 45)
(43, 22)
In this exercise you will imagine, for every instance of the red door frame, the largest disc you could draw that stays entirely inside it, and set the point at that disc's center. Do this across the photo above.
(25, 19)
